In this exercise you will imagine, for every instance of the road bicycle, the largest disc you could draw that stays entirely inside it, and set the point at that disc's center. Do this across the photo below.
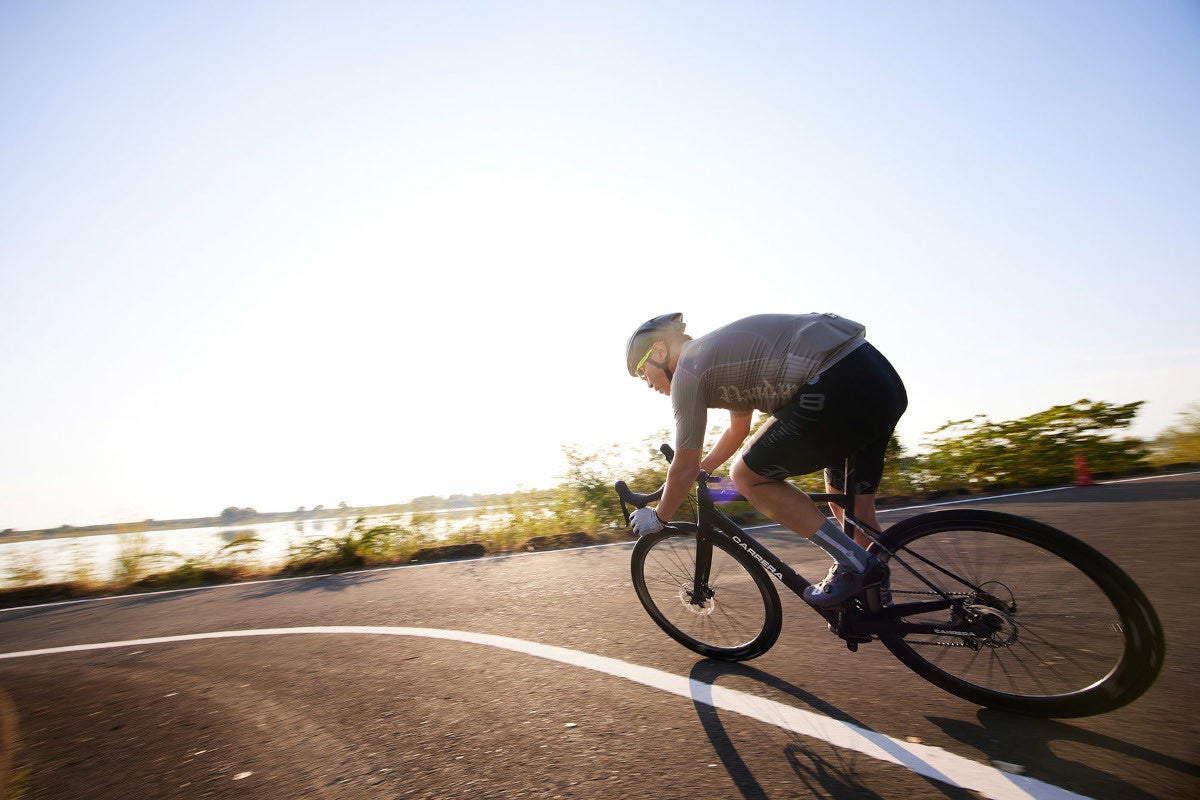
(1000, 610)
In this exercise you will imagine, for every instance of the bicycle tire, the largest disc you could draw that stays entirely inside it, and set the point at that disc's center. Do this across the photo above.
(1079, 637)
(742, 618)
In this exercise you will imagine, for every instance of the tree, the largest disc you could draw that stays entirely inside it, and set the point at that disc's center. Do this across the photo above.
(587, 496)
(1038, 450)
(235, 514)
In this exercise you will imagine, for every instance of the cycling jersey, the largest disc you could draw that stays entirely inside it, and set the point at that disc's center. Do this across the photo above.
(756, 363)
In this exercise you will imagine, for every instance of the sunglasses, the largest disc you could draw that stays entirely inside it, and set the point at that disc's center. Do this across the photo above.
(641, 364)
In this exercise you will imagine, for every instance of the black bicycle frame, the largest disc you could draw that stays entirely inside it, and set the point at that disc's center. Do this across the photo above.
(851, 621)
(711, 521)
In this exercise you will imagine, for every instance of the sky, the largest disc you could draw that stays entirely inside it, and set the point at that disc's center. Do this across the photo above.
(281, 254)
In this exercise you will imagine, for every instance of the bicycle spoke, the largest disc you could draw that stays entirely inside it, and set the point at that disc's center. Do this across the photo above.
(727, 613)
(1047, 616)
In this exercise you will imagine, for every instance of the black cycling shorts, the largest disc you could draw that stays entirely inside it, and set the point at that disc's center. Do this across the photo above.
(850, 409)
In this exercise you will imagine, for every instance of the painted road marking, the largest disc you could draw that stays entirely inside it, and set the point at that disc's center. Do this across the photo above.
(925, 760)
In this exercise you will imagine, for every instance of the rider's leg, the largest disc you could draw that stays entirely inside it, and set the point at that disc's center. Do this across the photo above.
(779, 500)
(853, 567)
(864, 511)
(772, 454)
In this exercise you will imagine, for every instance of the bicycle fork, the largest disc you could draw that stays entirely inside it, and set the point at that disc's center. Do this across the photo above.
(701, 591)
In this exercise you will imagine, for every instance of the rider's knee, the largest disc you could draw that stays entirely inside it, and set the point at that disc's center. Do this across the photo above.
(738, 474)
(745, 479)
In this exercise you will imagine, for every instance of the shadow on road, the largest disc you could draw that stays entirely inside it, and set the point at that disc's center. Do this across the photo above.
(317, 583)
(324, 583)
(1027, 741)
(335, 582)
(822, 771)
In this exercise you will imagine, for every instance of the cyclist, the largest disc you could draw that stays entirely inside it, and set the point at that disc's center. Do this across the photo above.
(830, 395)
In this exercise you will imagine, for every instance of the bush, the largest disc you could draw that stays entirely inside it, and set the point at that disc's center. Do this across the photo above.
(343, 550)
(1180, 444)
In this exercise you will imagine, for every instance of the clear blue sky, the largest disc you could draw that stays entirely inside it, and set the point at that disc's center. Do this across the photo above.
(275, 254)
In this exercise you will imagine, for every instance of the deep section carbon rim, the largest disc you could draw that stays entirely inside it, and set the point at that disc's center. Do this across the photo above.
(1068, 632)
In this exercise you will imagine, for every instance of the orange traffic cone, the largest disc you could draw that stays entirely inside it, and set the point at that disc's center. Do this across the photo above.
(1082, 476)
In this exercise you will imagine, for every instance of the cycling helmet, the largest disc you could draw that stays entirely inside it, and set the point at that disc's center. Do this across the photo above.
(649, 332)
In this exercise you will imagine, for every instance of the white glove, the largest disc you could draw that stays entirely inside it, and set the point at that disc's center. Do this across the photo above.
(645, 520)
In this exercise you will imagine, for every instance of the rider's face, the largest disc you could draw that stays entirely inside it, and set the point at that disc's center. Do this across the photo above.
(655, 376)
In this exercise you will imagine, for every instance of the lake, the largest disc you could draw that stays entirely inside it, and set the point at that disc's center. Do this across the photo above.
(61, 559)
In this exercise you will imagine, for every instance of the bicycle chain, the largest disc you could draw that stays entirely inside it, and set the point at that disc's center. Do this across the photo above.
(933, 594)
(956, 642)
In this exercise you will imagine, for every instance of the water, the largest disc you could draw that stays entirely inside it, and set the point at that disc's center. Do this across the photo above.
(97, 556)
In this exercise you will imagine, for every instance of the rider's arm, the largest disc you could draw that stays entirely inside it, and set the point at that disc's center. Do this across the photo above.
(728, 444)
(690, 417)
(682, 474)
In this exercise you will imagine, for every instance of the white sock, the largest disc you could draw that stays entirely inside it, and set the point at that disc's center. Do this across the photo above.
(833, 540)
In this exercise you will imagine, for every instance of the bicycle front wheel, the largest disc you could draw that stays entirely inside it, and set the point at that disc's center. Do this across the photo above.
(1070, 633)
(736, 615)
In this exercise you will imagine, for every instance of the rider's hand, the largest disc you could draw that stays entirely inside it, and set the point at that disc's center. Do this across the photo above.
(645, 520)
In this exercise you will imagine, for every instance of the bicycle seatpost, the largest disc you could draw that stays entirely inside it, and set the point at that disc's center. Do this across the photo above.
(850, 490)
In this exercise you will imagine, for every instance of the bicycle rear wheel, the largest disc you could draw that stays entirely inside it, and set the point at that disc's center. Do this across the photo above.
(735, 617)
(1071, 634)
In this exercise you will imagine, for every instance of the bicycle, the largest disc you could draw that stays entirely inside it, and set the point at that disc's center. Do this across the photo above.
(997, 609)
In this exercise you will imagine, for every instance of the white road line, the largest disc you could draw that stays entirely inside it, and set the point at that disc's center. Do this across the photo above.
(984, 498)
(931, 762)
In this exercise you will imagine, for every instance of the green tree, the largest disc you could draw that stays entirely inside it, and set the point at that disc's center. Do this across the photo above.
(1038, 450)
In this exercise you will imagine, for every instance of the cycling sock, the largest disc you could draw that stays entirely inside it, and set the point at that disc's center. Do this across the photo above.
(833, 540)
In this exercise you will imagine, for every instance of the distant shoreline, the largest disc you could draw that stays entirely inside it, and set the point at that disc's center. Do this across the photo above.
(241, 521)
(151, 525)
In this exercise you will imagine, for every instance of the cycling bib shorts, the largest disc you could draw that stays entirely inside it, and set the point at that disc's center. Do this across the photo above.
(849, 409)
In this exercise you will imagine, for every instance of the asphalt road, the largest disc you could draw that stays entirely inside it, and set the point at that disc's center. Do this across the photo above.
(541, 676)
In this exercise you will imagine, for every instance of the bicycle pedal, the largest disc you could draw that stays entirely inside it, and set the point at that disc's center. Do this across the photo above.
(851, 640)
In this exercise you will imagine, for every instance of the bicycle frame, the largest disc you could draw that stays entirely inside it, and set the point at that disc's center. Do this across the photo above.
(855, 621)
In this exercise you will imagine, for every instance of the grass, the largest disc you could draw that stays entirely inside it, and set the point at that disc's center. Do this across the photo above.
(366, 543)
